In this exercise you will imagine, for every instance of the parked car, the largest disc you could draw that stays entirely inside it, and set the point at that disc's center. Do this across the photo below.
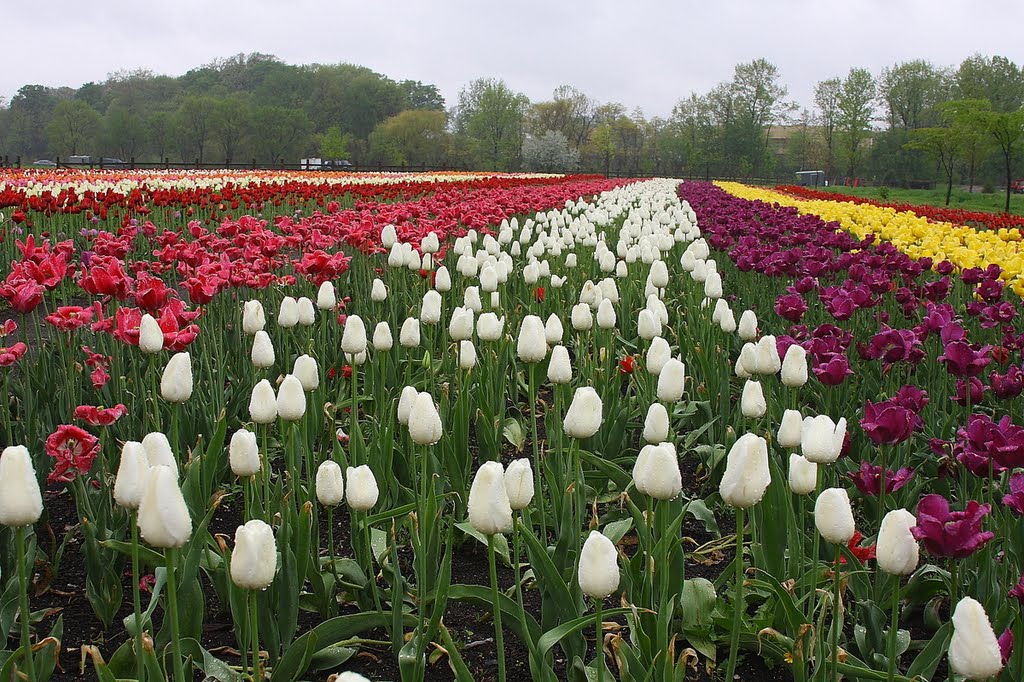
(112, 163)
(1017, 186)
(78, 160)
(336, 164)
(44, 163)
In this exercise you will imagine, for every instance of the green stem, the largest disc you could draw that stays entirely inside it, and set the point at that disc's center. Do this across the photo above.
(537, 463)
(140, 669)
(372, 574)
(815, 554)
(837, 615)
(498, 634)
(24, 614)
(172, 613)
(599, 638)
(254, 627)
(737, 616)
(330, 550)
(893, 624)
(517, 570)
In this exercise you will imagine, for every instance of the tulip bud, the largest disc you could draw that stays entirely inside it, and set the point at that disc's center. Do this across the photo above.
(388, 236)
(746, 474)
(471, 299)
(659, 274)
(353, 339)
(378, 292)
(974, 650)
(897, 550)
(748, 359)
(584, 416)
(130, 483)
(752, 403)
(151, 336)
(430, 243)
(489, 327)
(430, 309)
(658, 355)
(489, 509)
(442, 280)
(291, 399)
(424, 421)
(163, 516)
(766, 356)
(648, 325)
(531, 345)
(728, 322)
(288, 314)
(581, 317)
(263, 403)
(790, 429)
(656, 424)
(253, 318)
(605, 315)
(794, 367)
(158, 452)
(330, 486)
(672, 381)
(553, 330)
(656, 472)
(254, 559)
(325, 296)
(559, 367)
(460, 327)
(713, 286)
(21, 503)
(176, 383)
(748, 325)
(348, 676)
(467, 355)
(409, 335)
(382, 340)
(519, 483)
(262, 350)
(803, 475)
(833, 516)
(362, 488)
(306, 311)
(307, 372)
(243, 453)
(599, 566)
(821, 440)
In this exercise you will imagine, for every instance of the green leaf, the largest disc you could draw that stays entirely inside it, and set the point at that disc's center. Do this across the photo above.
(500, 541)
(699, 510)
(928, 660)
(699, 598)
(455, 662)
(331, 657)
(514, 433)
(557, 634)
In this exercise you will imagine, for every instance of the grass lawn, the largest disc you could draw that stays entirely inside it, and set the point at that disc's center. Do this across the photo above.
(937, 197)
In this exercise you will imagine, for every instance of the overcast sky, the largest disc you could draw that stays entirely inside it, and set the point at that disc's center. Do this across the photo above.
(640, 53)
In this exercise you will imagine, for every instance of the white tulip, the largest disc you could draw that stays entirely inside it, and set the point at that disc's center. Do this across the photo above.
(598, 572)
(21, 503)
(897, 550)
(151, 336)
(790, 429)
(803, 475)
(330, 485)
(158, 451)
(424, 420)
(291, 399)
(490, 511)
(821, 439)
(748, 325)
(362, 488)
(243, 453)
(467, 355)
(253, 317)
(262, 355)
(519, 483)
(409, 335)
(794, 366)
(378, 292)
(656, 472)
(752, 402)
(288, 313)
(306, 371)
(382, 339)
(833, 516)
(658, 355)
(164, 521)
(553, 330)
(326, 299)
(746, 474)
(585, 414)
(176, 382)
(254, 559)
(559, 367)
(130, 483)
(353, 339)
(430, 309)
(656, 424)
(531, 345)
(263, 403)
(974, 650)
(672, 381)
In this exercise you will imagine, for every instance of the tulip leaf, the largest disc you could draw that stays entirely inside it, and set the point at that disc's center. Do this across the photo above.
(455, 662)
(331, 657)
(514, 433)
(699, 510)
(615, 530)
(928, 660)
(146, 555)
(557, 634)
(208, 663)
(500, 541)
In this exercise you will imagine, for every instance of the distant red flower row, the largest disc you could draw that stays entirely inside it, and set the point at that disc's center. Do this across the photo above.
(958, 216)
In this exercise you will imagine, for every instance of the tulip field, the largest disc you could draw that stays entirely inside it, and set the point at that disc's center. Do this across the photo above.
(329, 426)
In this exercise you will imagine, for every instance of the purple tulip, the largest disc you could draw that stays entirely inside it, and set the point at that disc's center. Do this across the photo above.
(1006, 644)
(834, 371)
(963, 361)
(1007, 386)
(1015, 500)
(888, 422)
(791, 307)
(1017, 591)
(950, 534)
(869, 479)
(978, 391)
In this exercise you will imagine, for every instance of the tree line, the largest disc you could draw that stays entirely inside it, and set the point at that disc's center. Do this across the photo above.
(914, 122)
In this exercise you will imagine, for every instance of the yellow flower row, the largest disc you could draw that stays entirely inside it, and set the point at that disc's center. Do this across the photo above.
(915, 236)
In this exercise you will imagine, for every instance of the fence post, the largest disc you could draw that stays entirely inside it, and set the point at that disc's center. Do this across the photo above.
(254, 163)
(132, 167)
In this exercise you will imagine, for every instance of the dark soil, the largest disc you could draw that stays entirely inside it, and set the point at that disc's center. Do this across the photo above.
(470, 626)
